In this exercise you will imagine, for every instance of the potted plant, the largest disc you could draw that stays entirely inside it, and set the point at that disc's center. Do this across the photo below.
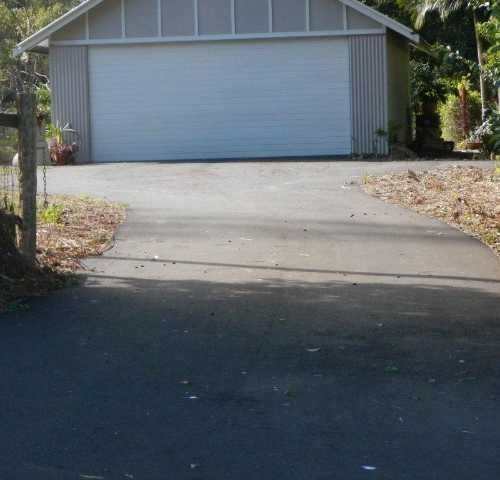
(61, 152)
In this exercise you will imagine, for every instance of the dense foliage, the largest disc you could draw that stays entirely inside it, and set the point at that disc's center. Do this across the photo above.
(459, 120)
(18, 20)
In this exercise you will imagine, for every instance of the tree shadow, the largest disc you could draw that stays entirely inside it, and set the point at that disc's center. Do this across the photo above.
(277, 379)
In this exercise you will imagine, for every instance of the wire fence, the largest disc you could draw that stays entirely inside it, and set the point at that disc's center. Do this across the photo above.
(8, 188)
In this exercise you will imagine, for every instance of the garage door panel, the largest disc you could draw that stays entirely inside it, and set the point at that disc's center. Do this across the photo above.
(220, 100)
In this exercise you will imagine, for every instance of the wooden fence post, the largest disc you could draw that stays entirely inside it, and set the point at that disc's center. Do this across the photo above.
(27, 173)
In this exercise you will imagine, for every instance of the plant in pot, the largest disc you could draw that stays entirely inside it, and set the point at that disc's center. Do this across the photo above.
(61, 152)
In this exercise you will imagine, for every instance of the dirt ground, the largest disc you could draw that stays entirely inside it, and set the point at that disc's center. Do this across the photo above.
(69, 229)
(467, 198)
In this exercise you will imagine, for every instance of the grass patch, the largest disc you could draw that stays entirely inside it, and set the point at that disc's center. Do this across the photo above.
(51, 214)
(75, 228)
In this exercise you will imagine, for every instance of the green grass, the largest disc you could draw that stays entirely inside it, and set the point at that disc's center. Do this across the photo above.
(51, 214)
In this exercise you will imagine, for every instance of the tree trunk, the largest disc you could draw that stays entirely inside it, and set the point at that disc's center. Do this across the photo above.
(8, 224)
(27, 174)
(13, 264)
(464, 118)
(482, 83)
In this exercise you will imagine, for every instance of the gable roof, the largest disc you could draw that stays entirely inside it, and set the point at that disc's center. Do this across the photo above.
(86, 5)
(383, 19)
(54, 26)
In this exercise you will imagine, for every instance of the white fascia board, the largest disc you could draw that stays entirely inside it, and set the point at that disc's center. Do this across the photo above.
(57, 24)
(383, 19)
(215, 38)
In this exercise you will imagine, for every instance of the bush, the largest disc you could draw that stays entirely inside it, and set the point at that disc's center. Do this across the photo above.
(43, 100)
(494, 140)
(451, 116)
(426, 85)
(52, 214)
(483, 135)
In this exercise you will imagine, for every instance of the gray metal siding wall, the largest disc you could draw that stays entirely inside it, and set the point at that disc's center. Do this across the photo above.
(214, 18)
(251, 17)
(73, 31)
(70, 92)
(326, 15)
(177, 17)
(368, 59)
(358, 21)
(289, 16)
(141, 18)
(398, 82)
(105, 20)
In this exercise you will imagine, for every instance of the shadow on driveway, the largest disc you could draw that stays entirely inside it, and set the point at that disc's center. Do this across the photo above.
(278, 379)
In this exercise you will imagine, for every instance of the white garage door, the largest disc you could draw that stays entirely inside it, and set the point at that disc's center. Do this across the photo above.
(237, 99)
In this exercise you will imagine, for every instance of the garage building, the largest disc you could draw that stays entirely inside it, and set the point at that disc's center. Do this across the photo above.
(151, 80)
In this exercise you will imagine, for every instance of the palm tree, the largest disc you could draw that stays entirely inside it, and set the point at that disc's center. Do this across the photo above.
(444, 8)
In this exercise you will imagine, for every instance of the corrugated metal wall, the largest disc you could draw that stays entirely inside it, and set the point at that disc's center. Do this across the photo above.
(70, 92)
(398, 83)
(369, 103)
(368, 93)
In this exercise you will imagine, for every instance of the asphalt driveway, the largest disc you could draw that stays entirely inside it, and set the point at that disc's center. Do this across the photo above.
(258, 321)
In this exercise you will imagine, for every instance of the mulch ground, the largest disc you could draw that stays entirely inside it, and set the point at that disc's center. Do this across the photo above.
(467, 198)
(86, 228)
(82, 227)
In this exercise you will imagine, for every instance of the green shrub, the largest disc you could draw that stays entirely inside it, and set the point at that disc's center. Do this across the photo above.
(426, 84)
(450, 113)
(43, 100)
(54, 132)
(52, 214)
(493, 142)
(488, 134)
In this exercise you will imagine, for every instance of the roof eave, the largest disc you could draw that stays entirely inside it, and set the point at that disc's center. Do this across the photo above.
(52, 27)
(383, 19)
(43, 34)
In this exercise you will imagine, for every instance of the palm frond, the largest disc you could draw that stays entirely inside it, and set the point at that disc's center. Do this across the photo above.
(443, 7)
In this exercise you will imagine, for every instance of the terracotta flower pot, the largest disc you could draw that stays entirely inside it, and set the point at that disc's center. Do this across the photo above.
(61, 154)
(473, 145)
